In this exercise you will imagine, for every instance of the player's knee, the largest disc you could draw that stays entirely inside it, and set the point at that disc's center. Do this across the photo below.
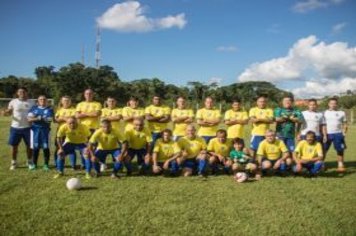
(266, 165)
(212, 159)
(289, 161)
(235, 167)
(187, 172)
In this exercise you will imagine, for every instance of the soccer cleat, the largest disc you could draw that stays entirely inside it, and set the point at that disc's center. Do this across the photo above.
(103, 167)
(341, 169)
(45, 167)
(87, 176)
(13, 165)
(58, 175)
(32, 167)
(114, 176)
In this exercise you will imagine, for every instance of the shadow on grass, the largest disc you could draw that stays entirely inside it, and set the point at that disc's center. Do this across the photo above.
(87, 188)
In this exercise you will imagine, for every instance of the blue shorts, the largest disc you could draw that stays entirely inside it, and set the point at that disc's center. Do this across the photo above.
(338, 140)
(207, 138)
(40, 138)
(140, 153)
(318, 138)
(289, 142)
(255, 141)
(190, 163)
(102, 154)
(16, 134)
(70, 148)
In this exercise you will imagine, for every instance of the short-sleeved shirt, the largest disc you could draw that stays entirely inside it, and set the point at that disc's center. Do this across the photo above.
(308, 151)
(90, 122)
(44, 113)
(192, 146)
(138, 139)
(334, 121)
(237, 130)
(64, 113)
(107, 112)
(220, 148)
(165, 150)
(76, 136)
(271, 151)
(157, 111)
(107, 141)
(238, 156)
(259, 129)
(179, 128)
(132, 112)
(287, 129)
(312, 121)
(208, 114)
(20, 109)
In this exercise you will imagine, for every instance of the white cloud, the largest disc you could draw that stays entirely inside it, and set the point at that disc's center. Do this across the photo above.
(130, 17)
(338, 28)
(310, 5)
(328, 63)
(226, 49)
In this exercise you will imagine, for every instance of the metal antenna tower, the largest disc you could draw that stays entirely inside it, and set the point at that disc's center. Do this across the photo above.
(97, 48)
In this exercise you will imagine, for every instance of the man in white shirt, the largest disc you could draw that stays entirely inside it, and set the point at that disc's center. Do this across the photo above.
(20, 127)
(313, 121)
(335, 128)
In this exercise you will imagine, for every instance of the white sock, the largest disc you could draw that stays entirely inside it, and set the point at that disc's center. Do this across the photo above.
(340, 164)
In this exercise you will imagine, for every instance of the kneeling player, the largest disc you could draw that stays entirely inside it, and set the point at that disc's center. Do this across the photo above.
(273, 154)
(194, 153)
(71, 137)
(219, 149)
(165, 154)
(109, 142)
(308, 154)
(240, 159)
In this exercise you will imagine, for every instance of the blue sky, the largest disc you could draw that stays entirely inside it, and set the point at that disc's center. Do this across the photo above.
(210, 40)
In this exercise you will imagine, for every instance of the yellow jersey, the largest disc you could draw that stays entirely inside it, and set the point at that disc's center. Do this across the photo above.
(77, 136)
(179, 128)
(91, 122)
(64, 113)
(271, 151)
(110, 141)
(131, 112)
(165, 150)
(237, 130)
(107, 112)
(259, 129)
(192, 146)
(306, 151)
(219, 148)
(157, 111)
(138, 139)
(208, 114)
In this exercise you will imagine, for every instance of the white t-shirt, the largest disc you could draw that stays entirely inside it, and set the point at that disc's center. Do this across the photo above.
(20, 109)
(334, 121)
(312, 122)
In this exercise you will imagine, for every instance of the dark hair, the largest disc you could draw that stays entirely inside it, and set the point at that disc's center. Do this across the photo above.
(133, 98)
(221, 131)
(238, 100)
(310, 133)
(238, 141)
(288, 96)
(336, 99)
(166, 131)
(106, 122)
(261, 96)
(313, 100)
(23, 88)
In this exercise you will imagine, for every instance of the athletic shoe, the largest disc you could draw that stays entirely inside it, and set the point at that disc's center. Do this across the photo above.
(32, 167)
(87, 176)
(341, 170)
(45, 167)
(102, 167)
(13, 165)
(114, 176)
(58, 175)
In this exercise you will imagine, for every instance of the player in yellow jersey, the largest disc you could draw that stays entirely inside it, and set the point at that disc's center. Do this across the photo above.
(112, 113)
(165, 154)
(64, 112)
(261, 117)
(194, 155)
(236, 118)
(208, 118)
(132, 111)
(181, 117)
(88, 112)
(308, 154)
(158, 117)
(139, 140)
(219, 149)
(71, 137)
(107, 141)
(273, 154)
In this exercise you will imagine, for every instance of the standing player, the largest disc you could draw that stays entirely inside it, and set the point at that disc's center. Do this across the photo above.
(165, 154)
(236, 118)
(158, 117)
(308, 154)
(194, 154)
(20, 127)
(139, 141)
(208, 119)
(41, 117)
(64, 112)
(112, 113)
(288, 119)
(131, 112)
(336, 129)
(219, 149)
(261, 117)
(108, 141)
(312, 121)
(181, 117)
(71, 137)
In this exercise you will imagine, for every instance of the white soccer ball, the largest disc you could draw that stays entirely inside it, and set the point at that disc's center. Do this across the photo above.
(73, 184)
(241, 177)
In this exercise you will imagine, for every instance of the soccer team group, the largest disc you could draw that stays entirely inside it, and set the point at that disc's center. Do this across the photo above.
(95, 133)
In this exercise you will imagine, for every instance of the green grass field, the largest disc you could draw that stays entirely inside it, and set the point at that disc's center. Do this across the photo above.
(33, 203)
